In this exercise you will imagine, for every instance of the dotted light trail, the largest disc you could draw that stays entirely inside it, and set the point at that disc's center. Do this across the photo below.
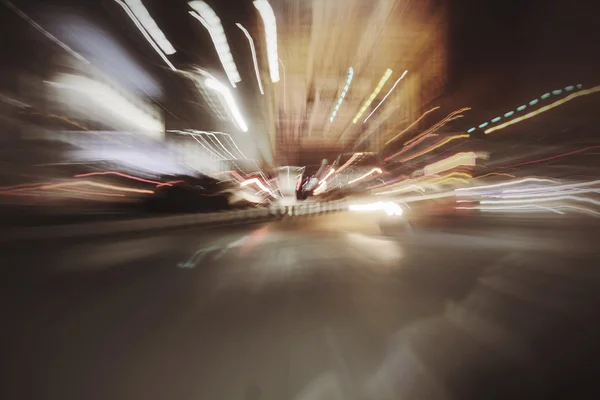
(382, 82)
(341, 99)
(544, 109)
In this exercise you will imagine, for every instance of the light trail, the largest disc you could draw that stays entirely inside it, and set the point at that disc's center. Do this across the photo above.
(540, 200)
(341, 99)
(439, 124)
(544, 109)
(435, 146)
(386, 96)
(495, 173)
(382, 82)
(374, 170)
(142, 14)
(459, 159)
(411, 125)
(258, 183)
(553, 157)
(270, 24)
(347, 163)
(254, 60)
(212, 23)
(143, 31)
(135, 178)
(95, 184)
(503, 184)
(237, 115)
(331, 171)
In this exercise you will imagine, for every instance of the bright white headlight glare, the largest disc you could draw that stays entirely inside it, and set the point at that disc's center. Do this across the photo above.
(389, 207)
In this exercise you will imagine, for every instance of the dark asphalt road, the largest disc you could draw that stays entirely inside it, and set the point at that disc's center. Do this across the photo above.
(326, 307)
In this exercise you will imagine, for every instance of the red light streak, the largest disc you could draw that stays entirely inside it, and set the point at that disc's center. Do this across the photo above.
(95, 184)
(135, 178)
(553, 157)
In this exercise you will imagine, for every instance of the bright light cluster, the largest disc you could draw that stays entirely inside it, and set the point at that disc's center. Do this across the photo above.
(457, 160)
(382, 82)
(341, 99)
(389, 207)
(268, 17)
(209, 19)
(148, 23)
(110, 100)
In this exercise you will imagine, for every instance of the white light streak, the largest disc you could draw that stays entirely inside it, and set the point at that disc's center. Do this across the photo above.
(540, 200)
(214, 153)
(378, 170)
(253, 56)
(148, 38)
(341, 99)
(386, 96)
(268, 17)
(259, 184)
(560, 187)
(331, 171)
(376, 91)
(142, 14)
(550, 194)
(209, 19)
(110, 100)
(218, 86)
(389, 207)
(503, 184)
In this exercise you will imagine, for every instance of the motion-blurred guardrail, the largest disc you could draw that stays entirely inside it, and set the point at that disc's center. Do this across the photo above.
(170, 222)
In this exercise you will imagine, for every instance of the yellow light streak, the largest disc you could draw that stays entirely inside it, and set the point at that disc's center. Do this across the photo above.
(543, 109)
(382, 82)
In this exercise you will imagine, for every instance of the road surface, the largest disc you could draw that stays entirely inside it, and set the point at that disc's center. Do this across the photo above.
(323, 307)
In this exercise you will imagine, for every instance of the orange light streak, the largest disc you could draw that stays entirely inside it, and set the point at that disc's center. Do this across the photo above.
(496, 173)
(439, 124)
(411, 125)
(435, 146)
(406, 148)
